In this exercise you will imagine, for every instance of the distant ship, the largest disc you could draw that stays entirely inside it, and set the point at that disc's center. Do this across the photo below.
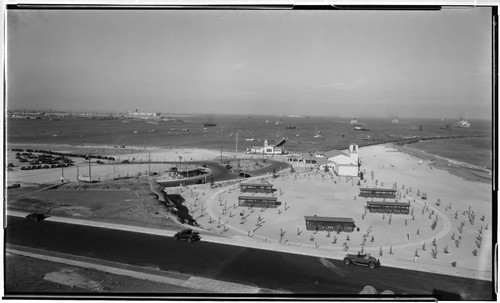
(464, 123)
(210, 122)
(318, 134)
(290, 127)
(361, 128)
(356, 123)
(395, 121)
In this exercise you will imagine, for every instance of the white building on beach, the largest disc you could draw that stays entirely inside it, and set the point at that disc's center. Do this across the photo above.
(343, 164)
(267, 149)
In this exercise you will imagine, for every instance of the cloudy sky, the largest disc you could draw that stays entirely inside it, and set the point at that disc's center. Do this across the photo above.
(351, 63)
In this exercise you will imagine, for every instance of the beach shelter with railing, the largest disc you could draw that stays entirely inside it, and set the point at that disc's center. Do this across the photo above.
(263, 187)
(329, 223)
(258, 201)
(382, 193)
(388, 207)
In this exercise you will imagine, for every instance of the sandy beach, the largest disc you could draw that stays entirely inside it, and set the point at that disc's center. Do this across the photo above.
(463, 217)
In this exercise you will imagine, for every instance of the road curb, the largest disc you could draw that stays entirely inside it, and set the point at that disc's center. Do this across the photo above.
(153, 275)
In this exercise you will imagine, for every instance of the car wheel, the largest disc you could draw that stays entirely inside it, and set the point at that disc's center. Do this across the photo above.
(347, 261)
(189, 240)
(372, 265)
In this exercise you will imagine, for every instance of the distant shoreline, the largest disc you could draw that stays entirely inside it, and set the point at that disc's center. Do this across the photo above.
(467, 171)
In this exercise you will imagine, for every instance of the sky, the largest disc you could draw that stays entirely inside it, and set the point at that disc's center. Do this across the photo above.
(328, 63)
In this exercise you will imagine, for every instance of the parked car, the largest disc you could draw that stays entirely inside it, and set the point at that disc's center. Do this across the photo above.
(187, 234)
(362, 259)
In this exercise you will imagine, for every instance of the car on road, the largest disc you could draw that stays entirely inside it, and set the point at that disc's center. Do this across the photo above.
(187, 234)
(362, 259)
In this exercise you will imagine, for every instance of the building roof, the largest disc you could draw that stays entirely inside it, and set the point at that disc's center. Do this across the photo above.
(379, 189)
(387, 203)
(321, 160)
(257, 198)
(334, 153)
(328, 219)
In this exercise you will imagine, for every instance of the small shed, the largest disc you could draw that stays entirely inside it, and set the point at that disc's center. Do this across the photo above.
(329, 223)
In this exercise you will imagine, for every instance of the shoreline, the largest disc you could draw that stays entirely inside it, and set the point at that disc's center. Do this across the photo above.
(466, 171)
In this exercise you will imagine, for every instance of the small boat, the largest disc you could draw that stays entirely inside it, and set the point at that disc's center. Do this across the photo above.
(290, 127)
(361, 128)
(318, 133)
(210, 121)
(277, 122)
(135, 131)
(463, 123)
(424, 196)
(250, 139)
(395, 121)
(356, 123)
(368, 138)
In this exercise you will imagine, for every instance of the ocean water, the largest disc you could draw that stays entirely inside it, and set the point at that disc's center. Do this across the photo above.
(336, 133)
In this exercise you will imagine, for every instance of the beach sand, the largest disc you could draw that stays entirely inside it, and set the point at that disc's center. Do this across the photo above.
(313, 192)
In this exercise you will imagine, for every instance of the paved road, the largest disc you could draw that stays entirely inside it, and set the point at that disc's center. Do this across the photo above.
(266, 269)
(221, 173)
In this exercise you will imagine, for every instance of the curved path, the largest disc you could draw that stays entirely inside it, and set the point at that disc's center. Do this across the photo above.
(445, 229)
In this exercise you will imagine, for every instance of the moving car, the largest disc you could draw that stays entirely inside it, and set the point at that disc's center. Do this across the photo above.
(362, 259)
(187, 234)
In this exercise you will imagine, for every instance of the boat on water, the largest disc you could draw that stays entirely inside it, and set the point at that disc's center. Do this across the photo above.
(290, 127)
(395, 121)
(210, 122)
(356, 123)
(250, 139)
(464, 123)
(277, 122)
(369, 138)
(361, 128)
(318, 133)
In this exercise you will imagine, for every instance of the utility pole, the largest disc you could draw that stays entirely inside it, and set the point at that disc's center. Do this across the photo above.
(90, 173)
(236, 141)
(221, 155)
(62, 170)
(149, 165)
